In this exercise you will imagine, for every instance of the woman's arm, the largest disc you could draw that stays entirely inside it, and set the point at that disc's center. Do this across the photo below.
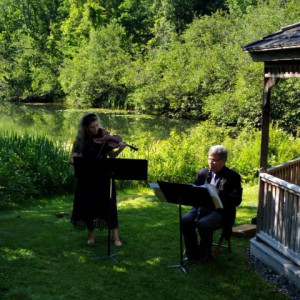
(74, 154)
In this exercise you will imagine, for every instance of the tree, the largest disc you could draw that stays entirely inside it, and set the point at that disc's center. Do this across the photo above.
(137, 19)
(93, 76)
(30, 55)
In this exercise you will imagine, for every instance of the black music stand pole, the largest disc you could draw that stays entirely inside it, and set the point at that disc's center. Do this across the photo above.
(180, 265)
(109, 255)
(184, 194)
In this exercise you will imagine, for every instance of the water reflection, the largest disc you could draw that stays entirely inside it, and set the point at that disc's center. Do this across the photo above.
(61, 122)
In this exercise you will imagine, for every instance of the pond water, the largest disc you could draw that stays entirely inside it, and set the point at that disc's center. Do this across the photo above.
(61, 122)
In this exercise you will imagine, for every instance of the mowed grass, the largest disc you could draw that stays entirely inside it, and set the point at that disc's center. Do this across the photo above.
(43, 257)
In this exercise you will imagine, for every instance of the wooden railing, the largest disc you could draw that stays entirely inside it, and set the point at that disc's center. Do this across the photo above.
(289, 171)
(279, 209)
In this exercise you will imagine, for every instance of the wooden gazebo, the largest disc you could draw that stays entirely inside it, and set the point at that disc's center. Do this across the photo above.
(277, 241)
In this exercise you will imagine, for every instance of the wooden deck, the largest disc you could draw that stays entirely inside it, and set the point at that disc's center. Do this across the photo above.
(277, 242)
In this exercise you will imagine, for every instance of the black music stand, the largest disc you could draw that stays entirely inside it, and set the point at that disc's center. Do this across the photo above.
(112, 168)
(185, 194)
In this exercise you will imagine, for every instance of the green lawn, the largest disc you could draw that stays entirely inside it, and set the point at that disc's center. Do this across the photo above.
(43, 257)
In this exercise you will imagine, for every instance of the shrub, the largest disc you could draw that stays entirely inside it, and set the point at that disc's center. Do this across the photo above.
(34, 167)
(180, 156)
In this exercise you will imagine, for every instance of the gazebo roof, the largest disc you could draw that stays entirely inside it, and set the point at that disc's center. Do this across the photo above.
(281, 45)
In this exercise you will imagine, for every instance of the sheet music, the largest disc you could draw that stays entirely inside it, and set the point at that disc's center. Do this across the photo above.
(157, 192)
(210, 188)
(213, 193)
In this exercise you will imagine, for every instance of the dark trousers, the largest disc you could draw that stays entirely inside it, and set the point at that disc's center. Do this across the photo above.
(206, 221)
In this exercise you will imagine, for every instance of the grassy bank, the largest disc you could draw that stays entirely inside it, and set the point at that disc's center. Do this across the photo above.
(43, 257)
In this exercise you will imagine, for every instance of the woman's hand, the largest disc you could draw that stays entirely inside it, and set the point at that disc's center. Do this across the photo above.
(74, 154)
(116, 151)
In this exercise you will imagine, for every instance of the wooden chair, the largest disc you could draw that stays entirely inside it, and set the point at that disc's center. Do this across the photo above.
(220, 245)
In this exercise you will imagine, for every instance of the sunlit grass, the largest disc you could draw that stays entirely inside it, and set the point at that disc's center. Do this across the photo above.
(17, 254)
(43, 257)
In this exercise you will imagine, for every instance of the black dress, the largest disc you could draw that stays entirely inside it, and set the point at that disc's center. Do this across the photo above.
(92, 195)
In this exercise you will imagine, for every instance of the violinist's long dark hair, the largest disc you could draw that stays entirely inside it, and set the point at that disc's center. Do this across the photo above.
(82, 136)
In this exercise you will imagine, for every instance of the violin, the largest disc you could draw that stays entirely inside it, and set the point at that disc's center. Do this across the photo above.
(113, 141)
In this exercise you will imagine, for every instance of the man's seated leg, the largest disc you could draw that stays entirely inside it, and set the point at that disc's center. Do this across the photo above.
(206, 226)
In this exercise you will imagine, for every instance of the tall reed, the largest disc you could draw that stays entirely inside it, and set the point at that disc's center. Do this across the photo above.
(31, 167)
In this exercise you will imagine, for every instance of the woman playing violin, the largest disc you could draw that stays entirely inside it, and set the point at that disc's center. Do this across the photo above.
(92, 197)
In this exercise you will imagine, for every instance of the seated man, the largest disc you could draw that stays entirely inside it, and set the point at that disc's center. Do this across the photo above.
(228, 185)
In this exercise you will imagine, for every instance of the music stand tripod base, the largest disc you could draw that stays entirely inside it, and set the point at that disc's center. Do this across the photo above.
(181, 266)
(109, 255)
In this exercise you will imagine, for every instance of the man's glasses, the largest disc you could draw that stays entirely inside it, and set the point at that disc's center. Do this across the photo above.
(215, 160)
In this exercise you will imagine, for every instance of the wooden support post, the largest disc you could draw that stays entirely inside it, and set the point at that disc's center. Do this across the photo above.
(268, 84)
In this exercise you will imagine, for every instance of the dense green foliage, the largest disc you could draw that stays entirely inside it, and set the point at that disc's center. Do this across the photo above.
(33, 167)
(178, 58)
(179, 157)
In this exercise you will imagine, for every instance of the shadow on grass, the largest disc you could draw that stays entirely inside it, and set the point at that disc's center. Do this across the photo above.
(43, 257)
